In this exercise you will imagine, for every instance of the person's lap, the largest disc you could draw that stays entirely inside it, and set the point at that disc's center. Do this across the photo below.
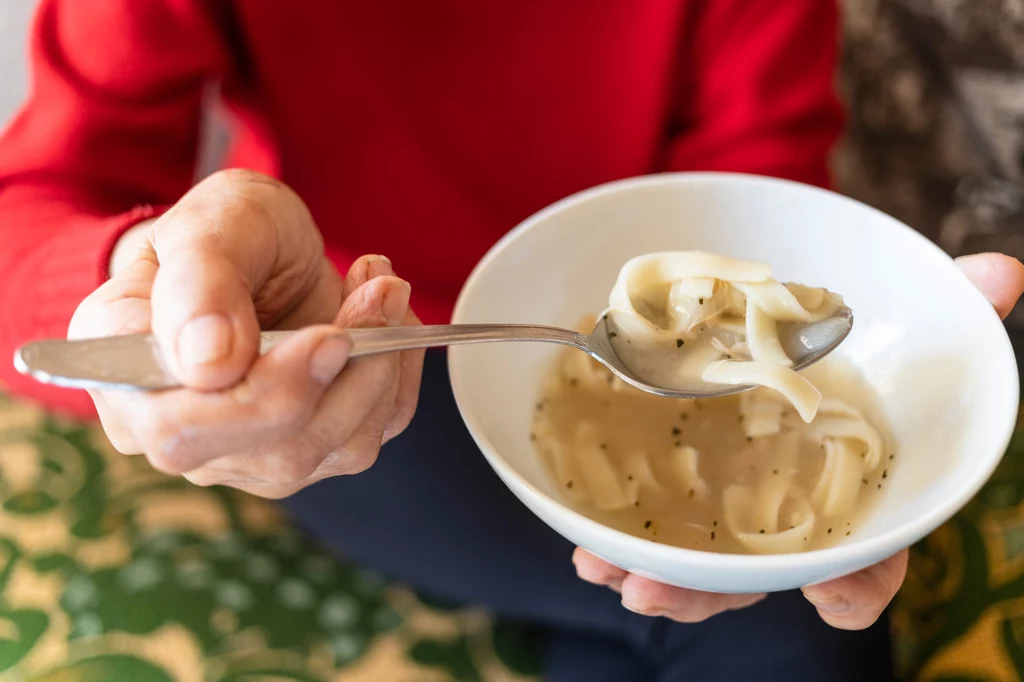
(432, 514)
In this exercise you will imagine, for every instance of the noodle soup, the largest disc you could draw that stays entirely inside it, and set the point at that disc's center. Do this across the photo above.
(737, 474)
(787, 467)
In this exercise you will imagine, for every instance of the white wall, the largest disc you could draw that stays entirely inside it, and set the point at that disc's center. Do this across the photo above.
(14, 20)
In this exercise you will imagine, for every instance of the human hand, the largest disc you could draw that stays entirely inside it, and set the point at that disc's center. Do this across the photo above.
(240, 253)
(852, 602)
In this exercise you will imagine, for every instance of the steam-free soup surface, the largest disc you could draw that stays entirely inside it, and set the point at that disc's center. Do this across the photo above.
(738, 474)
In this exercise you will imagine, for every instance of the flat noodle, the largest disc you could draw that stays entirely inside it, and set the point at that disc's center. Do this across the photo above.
(685, 464)
(665, 301)
(676, 265)
(810, 298)
(839, 484)
(639, 477)
(602, 480)
(835, 407)
(563, 461)
(774, 299)
(762, 415)
(737, 502)
(763, 337)
(853, 429)
(797, 390)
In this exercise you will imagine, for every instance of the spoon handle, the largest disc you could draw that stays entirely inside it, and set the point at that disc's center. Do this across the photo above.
(135, 362)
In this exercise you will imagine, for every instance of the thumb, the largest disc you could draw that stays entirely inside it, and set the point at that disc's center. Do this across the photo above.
(999, 277)
(204, 318)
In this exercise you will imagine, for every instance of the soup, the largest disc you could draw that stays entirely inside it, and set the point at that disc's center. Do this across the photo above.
(737, 474)
(790, 467)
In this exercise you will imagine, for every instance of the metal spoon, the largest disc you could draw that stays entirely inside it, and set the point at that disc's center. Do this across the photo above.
(135, 362)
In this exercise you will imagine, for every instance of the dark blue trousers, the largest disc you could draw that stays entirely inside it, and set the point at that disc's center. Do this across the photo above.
(432, 514)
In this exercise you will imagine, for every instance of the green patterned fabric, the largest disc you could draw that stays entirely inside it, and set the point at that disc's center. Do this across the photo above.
(110, 571)
(960, 614)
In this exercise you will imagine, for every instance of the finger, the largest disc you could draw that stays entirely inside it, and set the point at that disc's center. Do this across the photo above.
(204, 318)
(410, 362)
(321, 304)
(119, 306)
(183, 429)
(855, 602)
(349, 419)
(230, 239)
(651, 598)
(999, 277)
(363, 270)
(597, 571)
(409, 378)
(337, 463)
(367, 391)
(119, 435)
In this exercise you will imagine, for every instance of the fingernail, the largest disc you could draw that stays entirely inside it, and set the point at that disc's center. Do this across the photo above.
(396, 303)
(834, 605)
(329, 358)
(204, 340)
(379, 266)
(634, 609)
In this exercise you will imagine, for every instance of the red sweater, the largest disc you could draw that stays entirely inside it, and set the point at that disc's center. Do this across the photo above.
(421, 130)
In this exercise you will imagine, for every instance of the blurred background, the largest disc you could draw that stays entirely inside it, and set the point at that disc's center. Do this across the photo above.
(935, 90)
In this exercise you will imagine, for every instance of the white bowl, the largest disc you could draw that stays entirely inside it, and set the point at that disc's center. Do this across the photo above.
(924, 337)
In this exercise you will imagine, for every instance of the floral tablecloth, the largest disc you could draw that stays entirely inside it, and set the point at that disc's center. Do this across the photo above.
(112, 572)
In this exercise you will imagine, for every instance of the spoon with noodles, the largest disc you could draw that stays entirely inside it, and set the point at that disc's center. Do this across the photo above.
(135, 361)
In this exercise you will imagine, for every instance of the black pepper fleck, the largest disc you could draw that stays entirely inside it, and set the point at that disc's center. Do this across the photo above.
(847, 532)
(647, 524)
(604, 446)
(700, 301)
(679, 443)
(690, 494)
(761, 531)
(676, 431)
(885, 473)
(629, 478)
(775, 472)
(830, 531)
(679, 343)
(864, 481)
(612, 335)
(712, 535)
(569, 484)
(879, 486)
(684, 416)
(714, 524)
(750, 438)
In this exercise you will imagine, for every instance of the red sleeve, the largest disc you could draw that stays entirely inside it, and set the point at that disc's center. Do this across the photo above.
(756, 92)
(110, 129)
